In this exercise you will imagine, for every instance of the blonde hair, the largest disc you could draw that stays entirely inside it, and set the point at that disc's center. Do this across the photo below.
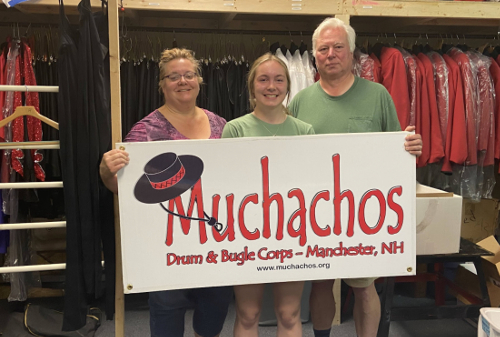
(335, 23)
(174, 54)
(252, 73)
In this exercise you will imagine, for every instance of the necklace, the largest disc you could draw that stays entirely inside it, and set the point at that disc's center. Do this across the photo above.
(264, 125)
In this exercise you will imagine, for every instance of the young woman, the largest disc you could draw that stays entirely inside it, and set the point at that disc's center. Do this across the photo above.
(268, 85)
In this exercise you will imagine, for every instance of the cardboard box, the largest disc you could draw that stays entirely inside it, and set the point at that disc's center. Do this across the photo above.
(438, 220)
(466, 278)
(479, 220)
(491, 264)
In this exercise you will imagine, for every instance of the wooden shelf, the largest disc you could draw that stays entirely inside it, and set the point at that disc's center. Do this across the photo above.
(280, 7)
(427, 9)
(458, 17)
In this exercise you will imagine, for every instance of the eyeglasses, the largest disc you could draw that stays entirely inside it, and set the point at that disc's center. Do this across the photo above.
(189, 76)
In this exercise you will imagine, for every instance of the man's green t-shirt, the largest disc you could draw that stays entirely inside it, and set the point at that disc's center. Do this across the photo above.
(365, 107)
(250, 126)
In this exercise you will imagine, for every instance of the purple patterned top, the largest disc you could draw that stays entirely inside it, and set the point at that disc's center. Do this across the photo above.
(156, 127)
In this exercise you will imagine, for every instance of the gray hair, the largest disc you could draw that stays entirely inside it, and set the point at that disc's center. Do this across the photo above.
(335, 23)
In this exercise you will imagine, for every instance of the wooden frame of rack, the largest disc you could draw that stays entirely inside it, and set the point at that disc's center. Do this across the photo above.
(276, 15)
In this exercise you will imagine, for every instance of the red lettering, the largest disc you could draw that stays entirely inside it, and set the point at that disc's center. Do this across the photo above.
(254, 198)
(229, 230)
(196, 196)
(396, 208)
(317, 229)
(337, 200)
(361, 215)
(267, 200)
(301, 213)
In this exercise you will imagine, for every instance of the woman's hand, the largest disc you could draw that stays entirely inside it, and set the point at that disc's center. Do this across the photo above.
(413, 143)
(112, 162)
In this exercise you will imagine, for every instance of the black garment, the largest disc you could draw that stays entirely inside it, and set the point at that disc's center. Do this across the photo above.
(129, 96)
(75, 299)
(85, 136)
(141, 94)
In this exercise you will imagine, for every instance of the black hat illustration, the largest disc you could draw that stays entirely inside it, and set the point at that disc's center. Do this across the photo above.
(166, 177)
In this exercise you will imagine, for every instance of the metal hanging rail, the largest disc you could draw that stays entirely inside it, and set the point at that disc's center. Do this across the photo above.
(34, 225)
(30, 88)
(37, 267)
(43, 145)
(40, 184)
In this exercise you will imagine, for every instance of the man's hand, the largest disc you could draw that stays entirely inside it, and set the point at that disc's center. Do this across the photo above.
(413, 143)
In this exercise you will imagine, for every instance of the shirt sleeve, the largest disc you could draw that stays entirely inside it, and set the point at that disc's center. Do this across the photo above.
(230, 131)
(310, 130)
(137, 134)
(390, 114)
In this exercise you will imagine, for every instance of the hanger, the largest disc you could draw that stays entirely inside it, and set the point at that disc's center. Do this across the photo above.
(28, 111)
(303, 46)
(174, 42)
(293, 46)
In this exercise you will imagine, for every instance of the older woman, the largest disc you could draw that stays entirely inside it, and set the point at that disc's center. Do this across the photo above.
(178, 118)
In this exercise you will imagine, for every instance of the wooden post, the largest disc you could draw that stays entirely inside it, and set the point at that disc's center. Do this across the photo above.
(116, 136)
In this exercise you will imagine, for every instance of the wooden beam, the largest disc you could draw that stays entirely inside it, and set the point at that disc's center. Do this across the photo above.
(280, 7)
(213, 25)
(116, 136)
(435, 9)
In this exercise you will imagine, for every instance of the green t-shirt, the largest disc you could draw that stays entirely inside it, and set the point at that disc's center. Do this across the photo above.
(365, 107)
(250, 126)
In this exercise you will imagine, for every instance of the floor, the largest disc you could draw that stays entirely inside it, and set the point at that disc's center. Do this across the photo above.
(137, 320)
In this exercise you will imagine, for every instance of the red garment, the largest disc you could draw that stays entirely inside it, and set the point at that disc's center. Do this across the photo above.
(456, 143)
(437, 148)
(377, 69)
(470, 101)
(441, 79)
(422, 115)
(498, 59)
(366, 67)
(411, 66)
(25, 75)
(495, 74)
(485, 109)
(316, 77)
(395, 81)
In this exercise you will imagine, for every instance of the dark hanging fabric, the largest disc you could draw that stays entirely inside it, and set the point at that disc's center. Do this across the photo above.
(75, 299)
(85, 135)
(233, 84)
(154, 95)
(147, 93)
(303, 47)
(129, 95)
(202, 99)
(212, 88)
(142, 80)
(244, 98)
(274, 47)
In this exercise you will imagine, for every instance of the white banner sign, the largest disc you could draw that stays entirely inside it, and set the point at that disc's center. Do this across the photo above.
(200, 213)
